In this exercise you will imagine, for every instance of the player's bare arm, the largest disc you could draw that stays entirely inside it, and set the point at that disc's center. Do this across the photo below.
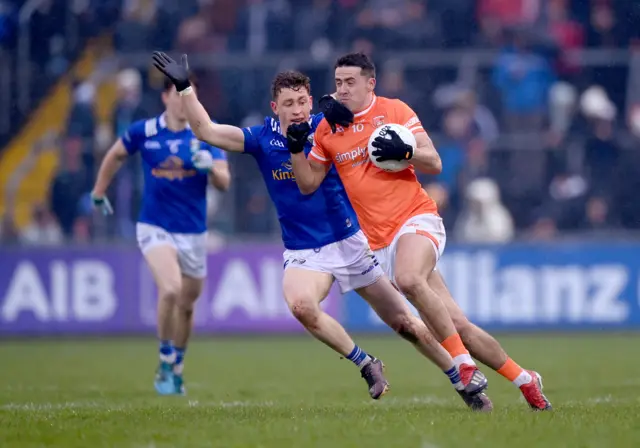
(425, 157)
(110, 165)
(220, 177)
(309, 175)
(229, 138)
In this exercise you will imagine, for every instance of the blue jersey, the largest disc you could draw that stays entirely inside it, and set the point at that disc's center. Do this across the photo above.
(307, 221)
(175, 193)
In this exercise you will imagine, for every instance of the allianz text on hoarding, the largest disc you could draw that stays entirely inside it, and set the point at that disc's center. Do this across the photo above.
(515, 287)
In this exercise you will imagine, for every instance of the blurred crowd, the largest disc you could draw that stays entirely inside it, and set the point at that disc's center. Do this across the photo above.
(536, 141)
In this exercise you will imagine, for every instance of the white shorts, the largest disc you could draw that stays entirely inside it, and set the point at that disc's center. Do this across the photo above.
(191, 247)
(351, 262)
(429, 225)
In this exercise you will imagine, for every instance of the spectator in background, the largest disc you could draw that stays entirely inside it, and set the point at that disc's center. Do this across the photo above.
(8, 231)
(452, 149)
(483, 120)
(523, 79)
(68, 187)
(81, 124)
(128, 107)
(58, 63)
(264, 25)
(8, 23)
(602, 150)
(135, 31)
(42, 230)
(484, 219)
(421, 28)
(604, 31)
(392, 83)
(312, 23)
(567, 194)
(566, 33)
(598, 216)
(494, 16)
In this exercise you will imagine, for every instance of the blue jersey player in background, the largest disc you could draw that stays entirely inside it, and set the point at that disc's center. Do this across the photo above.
(322, 239)
(171, 228)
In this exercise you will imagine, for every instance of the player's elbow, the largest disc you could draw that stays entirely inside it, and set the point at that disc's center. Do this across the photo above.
(430, 165)
(223, 185)
(308, 188)
(199, 134)
(117, 153)
(436, 165)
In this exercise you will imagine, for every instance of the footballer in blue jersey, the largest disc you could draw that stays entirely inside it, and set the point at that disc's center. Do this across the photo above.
(323, 242)
(171, 227)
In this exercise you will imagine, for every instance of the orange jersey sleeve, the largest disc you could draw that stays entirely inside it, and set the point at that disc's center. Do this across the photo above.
(318, 153)
(383, 201)
(407, 117)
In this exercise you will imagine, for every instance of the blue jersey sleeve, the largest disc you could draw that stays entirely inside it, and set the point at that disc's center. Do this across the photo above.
(315, 121)
(252, 139)
(134, 137)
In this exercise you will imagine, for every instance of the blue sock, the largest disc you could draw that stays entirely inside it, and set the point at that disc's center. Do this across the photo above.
(454, 377)
(166, 351)
(359, 357)
(180, 351)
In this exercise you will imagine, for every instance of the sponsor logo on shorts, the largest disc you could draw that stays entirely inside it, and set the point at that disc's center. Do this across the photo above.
(374, 263)
(299, 261)
(144, 241)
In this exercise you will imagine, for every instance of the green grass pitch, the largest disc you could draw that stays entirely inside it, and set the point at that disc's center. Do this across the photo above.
(294, 392)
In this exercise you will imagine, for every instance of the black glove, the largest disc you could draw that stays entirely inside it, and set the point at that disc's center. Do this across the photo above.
(391, 149)
(335, 112)
(297, 135)
(177, 73)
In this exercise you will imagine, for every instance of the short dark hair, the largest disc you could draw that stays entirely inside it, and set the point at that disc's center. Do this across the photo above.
(291, 79)
(358, 60)
(168, 85)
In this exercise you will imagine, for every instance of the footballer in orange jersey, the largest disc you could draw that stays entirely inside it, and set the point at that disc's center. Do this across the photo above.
(399, 218)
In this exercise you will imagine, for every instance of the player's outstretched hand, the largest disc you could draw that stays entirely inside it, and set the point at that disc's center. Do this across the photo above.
(177, 73)
(102, 203)
(297, 135)
(391, 149)
(335, 112)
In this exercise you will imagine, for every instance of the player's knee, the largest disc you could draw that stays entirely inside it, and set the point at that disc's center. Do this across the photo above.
(411, 284)
(170, 292)
(406, 327)
(306, 311)
(185, 305)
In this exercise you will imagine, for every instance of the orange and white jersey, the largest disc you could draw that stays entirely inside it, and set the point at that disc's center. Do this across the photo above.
(383, 201)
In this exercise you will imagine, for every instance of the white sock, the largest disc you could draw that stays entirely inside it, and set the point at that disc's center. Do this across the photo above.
(524, 378)
(169, 359)
(367, 359)
(464, 359)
